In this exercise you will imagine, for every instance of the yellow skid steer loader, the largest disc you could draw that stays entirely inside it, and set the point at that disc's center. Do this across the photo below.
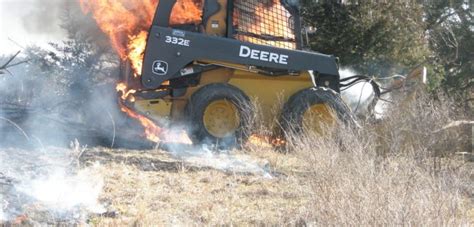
(210, 74)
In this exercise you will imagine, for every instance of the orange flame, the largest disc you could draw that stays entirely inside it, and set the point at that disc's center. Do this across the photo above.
(266, 141)
(136, 48)
(152, 131)
(127, 22)
(270, 19)
(259, 141)
(120, 20)
(122, 88)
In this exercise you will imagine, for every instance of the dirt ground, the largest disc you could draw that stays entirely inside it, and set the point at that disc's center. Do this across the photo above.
(152, 188)
(257, 187)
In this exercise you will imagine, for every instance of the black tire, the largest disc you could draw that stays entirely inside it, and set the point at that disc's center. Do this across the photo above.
(197, 105)
(292, 115)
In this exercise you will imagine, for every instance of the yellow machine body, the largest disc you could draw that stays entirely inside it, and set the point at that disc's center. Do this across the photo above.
(267, 93)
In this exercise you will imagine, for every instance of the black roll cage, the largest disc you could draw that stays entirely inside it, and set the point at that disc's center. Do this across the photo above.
(161, 51)
(165, 8)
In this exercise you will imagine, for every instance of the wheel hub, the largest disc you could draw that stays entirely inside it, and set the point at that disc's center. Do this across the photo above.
(221, 118)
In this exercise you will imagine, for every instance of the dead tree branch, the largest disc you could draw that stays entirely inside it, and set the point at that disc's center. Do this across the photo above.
(9, 64)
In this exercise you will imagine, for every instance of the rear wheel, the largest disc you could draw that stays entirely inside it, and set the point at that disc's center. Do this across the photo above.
(219, 114)
(314, 109)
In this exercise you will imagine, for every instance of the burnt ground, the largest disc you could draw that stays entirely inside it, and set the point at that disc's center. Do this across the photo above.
(157, 187)
(26, 165)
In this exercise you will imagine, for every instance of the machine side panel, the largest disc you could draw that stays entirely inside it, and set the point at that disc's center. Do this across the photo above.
(169, 51)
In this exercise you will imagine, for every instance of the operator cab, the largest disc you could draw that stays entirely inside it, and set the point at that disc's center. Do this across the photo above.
(188, 37)
(265, 22)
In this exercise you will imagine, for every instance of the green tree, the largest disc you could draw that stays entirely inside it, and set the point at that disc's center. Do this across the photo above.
(450, 27)
(371, 37)
(80, 62)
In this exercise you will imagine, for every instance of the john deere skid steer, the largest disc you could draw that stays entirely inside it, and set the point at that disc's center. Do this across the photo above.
(210, 74)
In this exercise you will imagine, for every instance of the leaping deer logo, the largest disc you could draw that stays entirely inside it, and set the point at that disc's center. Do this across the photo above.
(160, 67)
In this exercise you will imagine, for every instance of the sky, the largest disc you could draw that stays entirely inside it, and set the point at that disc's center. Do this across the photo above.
(29, 22)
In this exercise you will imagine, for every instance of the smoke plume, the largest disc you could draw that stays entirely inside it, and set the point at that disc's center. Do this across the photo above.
(43, 183)
(65, 91)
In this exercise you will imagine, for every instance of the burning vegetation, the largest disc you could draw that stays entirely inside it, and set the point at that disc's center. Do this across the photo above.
(128, 34)
(126, 23)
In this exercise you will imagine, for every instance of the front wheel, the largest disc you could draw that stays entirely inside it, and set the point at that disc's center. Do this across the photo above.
(219, 114)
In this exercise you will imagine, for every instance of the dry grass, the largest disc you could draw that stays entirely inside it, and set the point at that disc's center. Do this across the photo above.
(351, 185)
(189, 196)
(402, 170)
(399, 171)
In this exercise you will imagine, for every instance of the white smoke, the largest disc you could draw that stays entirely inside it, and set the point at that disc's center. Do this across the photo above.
(181, 148)
(361, 95)
(358, 95)
(203, 156)
(33, 178)
(2, 206)
(51, 183)
(28, 22)
(63, 192)
(3, 203)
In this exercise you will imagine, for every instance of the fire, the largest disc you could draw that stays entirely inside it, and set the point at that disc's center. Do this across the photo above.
(152, 131)
(265, 141)
(120, 20)
(136, 47)
(126, 23)
(187, 12)
(270, 19)
(259, 141)
(177, 135)
(122, 88)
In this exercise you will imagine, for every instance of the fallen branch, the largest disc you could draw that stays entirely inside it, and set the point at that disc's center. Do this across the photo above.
(455, 124)
(17, 127)
(8, 64)
(4, 66)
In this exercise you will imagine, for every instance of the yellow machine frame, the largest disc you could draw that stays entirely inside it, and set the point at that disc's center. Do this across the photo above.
(268, 93)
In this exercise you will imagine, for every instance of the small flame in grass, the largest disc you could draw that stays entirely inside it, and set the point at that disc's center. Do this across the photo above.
(260, 141)
(278, 142)
(265, 141)
(177, 135)
(152, 131)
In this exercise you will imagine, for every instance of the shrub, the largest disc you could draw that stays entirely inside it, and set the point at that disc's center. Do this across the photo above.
(399, 170)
